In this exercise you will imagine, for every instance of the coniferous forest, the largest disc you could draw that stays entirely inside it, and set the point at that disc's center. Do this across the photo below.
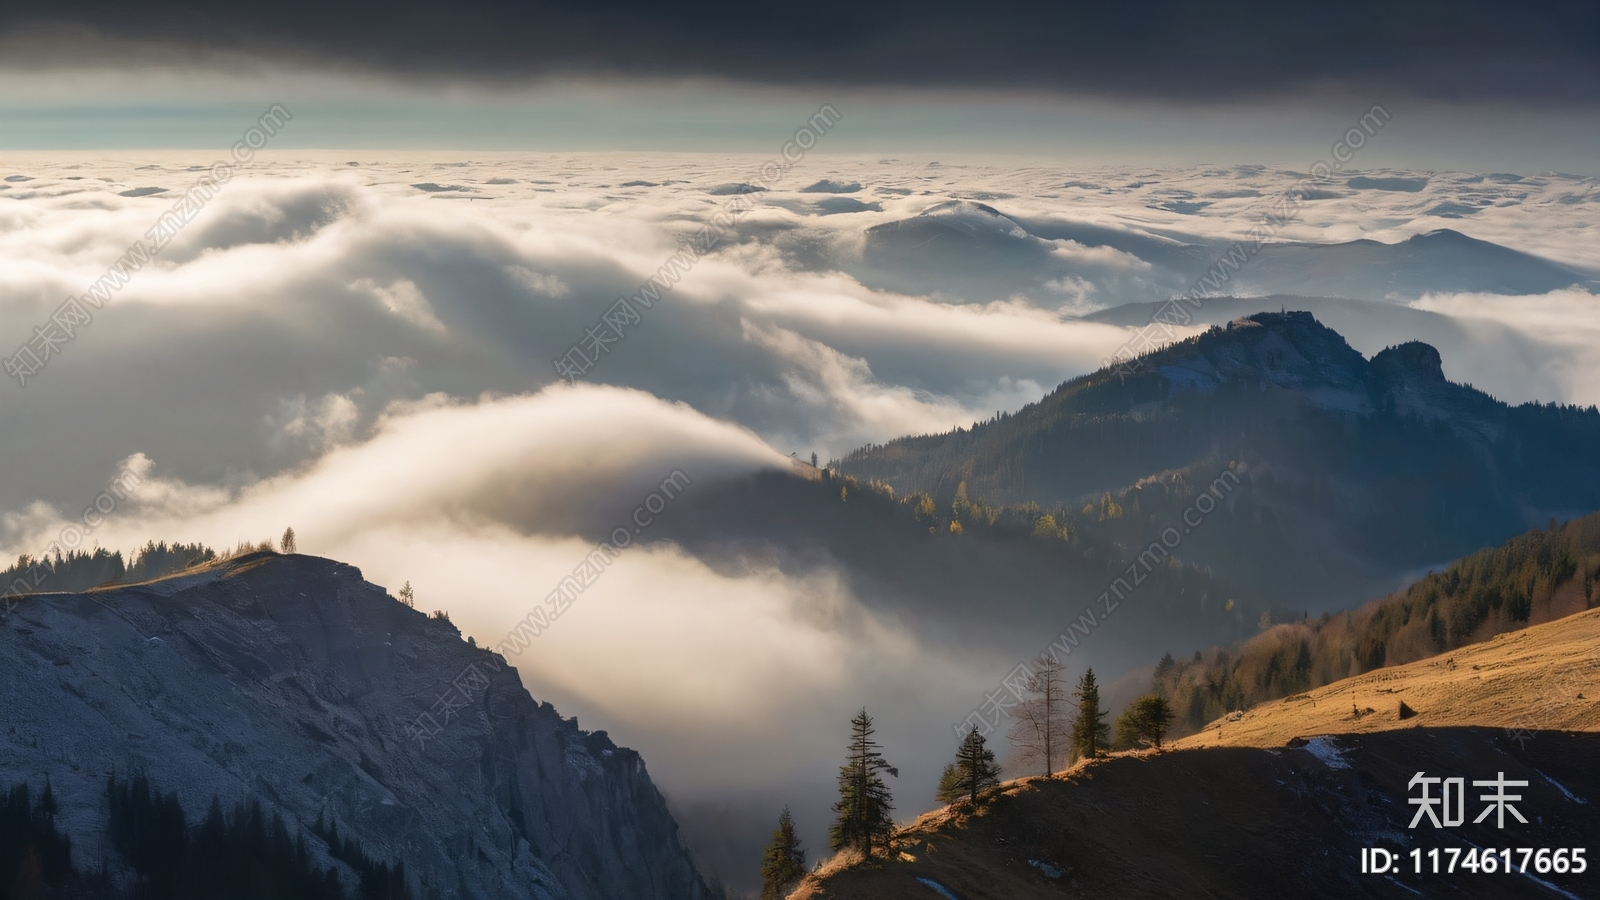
(240, 854)
(1534, 577)
(80, 570)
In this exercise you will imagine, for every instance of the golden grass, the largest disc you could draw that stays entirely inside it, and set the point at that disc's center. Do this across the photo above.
(1543, 677)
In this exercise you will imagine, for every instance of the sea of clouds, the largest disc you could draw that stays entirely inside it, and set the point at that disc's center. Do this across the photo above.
(361, 346)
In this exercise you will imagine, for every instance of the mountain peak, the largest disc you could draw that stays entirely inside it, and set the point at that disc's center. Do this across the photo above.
(1288, 349)
(1410, 363)
(1292, 351)
(1448, 237)
(963, 207)
(1368, 454)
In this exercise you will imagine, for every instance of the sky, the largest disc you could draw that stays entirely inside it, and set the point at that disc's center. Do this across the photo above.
(200, 109)
(355, 334)
(1485, 49)
(1485, 86)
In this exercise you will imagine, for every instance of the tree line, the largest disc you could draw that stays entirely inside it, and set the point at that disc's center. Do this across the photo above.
(35, 857)
(80, 570)
(1050, 726)
(1535, 576)
(241, 854)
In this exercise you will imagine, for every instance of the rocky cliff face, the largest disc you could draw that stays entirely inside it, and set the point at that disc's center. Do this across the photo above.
(1292, 351)
(291, 679)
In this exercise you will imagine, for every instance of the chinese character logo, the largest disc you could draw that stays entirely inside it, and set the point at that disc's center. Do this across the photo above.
(1500, 801)
(1448, 809)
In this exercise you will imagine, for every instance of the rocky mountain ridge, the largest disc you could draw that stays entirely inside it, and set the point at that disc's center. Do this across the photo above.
(1292, 351)
(292, 680)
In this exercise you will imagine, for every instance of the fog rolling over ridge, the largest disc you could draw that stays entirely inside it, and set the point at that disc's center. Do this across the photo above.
(602, 450)
(350, 351)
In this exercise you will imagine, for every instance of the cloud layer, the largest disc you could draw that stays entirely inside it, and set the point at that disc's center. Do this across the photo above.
(734, 685)
(362, 348)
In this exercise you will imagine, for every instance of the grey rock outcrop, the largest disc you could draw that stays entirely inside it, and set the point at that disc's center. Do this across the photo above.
(290, 679)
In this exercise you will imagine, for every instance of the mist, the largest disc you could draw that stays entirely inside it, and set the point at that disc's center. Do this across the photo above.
(361, 346)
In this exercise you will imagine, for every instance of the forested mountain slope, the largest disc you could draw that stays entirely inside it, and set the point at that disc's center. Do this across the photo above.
(1355, 471)
(1534, 578)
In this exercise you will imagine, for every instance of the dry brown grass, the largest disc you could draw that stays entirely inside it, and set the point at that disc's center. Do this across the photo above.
(1529, 679)
(1233, 812)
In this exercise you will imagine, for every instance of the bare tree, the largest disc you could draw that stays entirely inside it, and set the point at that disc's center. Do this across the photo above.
(1041, 732)
(288, 542)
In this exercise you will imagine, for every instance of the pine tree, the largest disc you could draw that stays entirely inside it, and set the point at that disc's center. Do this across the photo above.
(246, 853)
(950, 789)
(973, 772)
(1090, 733)
(1165, 666)
(1146, 721)
(408, 596)
(864, 803)
(784, 863)
(34, 855)
(288, 543)
(1041, 731)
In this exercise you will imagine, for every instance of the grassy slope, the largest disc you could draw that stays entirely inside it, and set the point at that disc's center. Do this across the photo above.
(1544, 677)
(1535, 577)
(1239, 814)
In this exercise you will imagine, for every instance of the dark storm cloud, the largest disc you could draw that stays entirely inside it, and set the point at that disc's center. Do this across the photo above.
(1546, 50)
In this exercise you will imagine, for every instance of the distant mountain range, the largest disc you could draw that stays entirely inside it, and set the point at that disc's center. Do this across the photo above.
(1442, 261)
(1439, 261)
(1356, 472)
(963, 250)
